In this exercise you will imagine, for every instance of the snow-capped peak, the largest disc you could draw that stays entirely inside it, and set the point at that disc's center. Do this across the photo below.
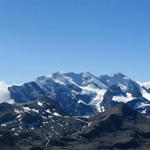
(118, 79)
(86, 74)
(82, 79)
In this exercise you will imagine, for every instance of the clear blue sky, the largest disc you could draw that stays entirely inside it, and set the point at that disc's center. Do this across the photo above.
(38, 37)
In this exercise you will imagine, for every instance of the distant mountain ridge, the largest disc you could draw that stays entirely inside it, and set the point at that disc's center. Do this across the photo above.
(85, 94)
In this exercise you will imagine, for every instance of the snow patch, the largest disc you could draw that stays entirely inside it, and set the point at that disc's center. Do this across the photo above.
(34, 110)
(3, 124)
(59, 81)
(143, 111)
(26, 109)
(17, 111)
(123, 99)
(56, 114)
(19, 116)
(80, 101)
(145, 94)
(123, 87)
(40, 104)
(98, 98)
(142, 105)
(126, 78)
(48, 111)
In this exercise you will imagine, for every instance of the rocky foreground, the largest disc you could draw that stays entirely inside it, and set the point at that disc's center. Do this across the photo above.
(44, 125)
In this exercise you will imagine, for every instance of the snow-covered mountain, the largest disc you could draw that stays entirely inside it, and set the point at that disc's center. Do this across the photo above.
(84, 93)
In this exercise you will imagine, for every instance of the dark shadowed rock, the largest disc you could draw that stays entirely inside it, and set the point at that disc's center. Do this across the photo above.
(116, 129)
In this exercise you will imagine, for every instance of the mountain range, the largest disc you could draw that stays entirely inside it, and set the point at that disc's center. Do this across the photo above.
(65, 111)
(84, 94)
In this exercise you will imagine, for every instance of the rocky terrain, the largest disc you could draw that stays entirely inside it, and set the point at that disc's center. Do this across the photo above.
(35, 123)
(118, 128)
(43, 125)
